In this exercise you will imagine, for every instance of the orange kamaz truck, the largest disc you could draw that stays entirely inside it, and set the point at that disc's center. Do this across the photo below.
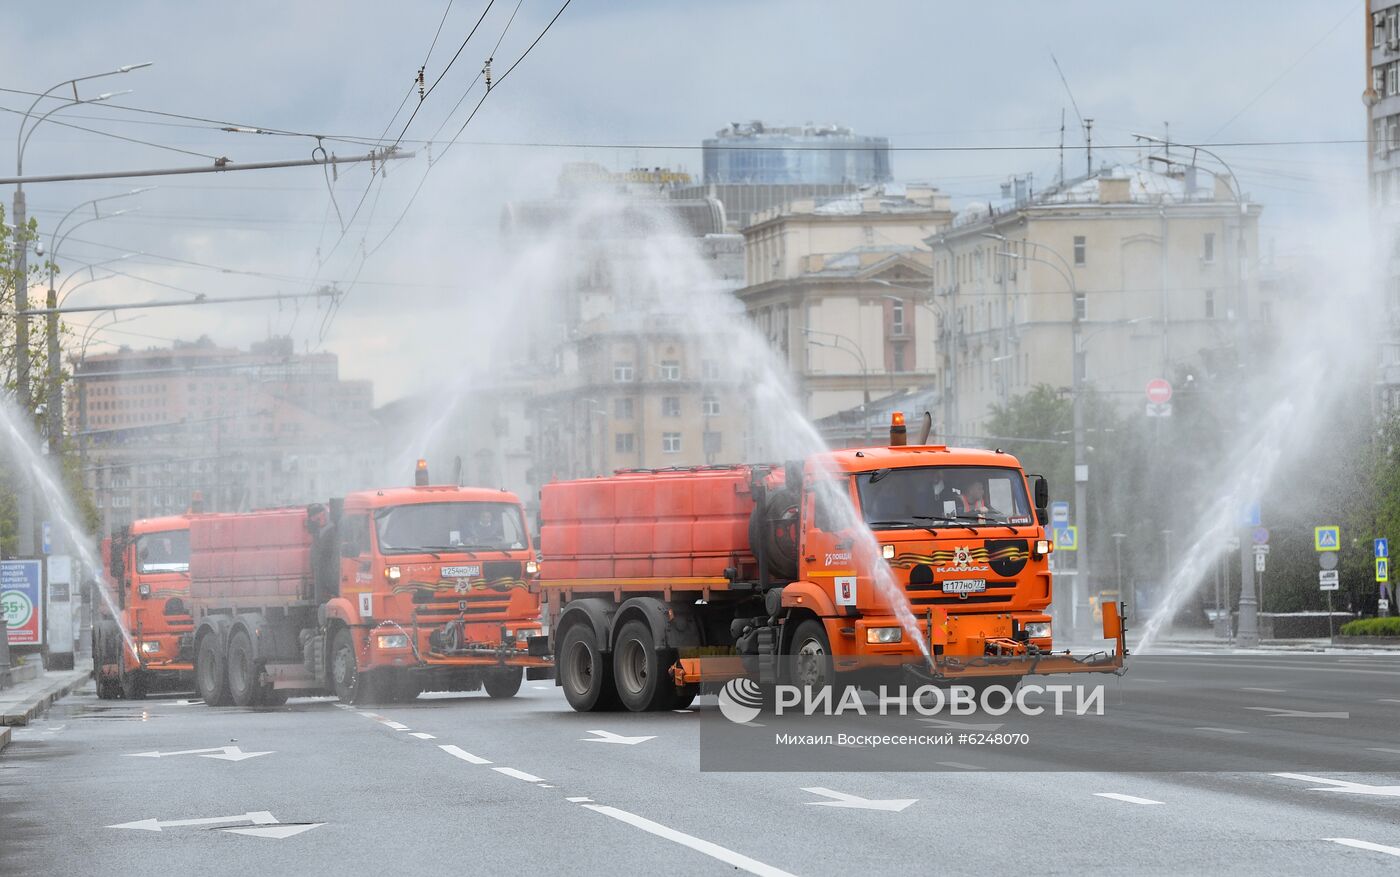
(148, 573)
(659, 581)
(374, 597)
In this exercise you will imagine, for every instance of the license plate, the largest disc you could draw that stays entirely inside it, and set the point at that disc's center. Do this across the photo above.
(461, 572)
(965, 586)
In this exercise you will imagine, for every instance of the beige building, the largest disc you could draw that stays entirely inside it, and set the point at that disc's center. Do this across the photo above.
(1159, 268)
(834, 285)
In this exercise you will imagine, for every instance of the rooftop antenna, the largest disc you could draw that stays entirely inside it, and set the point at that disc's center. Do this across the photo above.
(1086, 124)
(1061, 180)
(1088, 147)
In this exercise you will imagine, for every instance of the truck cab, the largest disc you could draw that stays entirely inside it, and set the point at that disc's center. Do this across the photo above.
(148, 570)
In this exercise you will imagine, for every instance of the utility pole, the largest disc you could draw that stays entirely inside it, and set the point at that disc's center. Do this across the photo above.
(25, 500)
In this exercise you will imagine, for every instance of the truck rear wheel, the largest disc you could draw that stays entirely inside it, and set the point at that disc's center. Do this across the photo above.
(584, 673)
(639, 670)
(243, 673)
(209, 675)
(809, 664)
(505, 683)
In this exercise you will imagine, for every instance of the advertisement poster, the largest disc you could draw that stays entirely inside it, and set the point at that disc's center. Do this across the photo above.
(21, 600)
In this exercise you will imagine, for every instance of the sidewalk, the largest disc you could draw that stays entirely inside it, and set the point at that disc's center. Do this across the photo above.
(23, 701)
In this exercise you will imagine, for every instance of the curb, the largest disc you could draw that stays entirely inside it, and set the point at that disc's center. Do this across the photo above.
(4, 738)
(39, 705)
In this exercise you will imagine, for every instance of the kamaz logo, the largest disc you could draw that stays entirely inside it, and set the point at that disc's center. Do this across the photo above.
(838, 557)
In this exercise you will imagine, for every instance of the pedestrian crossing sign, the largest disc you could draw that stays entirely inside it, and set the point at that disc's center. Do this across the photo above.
(1066, 538)
(1382, 569)
(1327, 538)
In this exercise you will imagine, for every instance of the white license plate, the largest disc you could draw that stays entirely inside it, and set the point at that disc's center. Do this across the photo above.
(461, 572)
(965, 586)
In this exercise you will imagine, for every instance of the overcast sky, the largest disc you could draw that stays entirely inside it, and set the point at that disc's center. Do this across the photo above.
(622, 74)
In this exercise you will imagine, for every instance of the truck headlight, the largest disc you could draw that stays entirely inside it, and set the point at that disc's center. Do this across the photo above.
(532, 567)
(1042, 547)
(887, 552)
(149, 647)
(392, 641)
(884, 635)
(1037, 629)
(391, 573)
(524, 634)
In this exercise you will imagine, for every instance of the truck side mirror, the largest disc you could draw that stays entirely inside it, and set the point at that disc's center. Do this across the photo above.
(1041, 489)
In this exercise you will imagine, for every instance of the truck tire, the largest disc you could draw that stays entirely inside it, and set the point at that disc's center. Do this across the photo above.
(108, 687)
(243, 685)
(502, 684)
(640, 669)
(809, 661)
(209, 675)
(775, 525)
(134, 683)
(349, 683)
(585, 673)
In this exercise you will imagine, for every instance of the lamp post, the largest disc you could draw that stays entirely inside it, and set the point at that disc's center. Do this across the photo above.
(855, 351)
(25, 505)
(945, 334)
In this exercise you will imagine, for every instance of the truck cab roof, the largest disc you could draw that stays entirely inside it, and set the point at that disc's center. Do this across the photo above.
(141, 526)
(854, 460)
(396, 496)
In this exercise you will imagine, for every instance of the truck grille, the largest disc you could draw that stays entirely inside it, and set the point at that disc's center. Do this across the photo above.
(931, 594)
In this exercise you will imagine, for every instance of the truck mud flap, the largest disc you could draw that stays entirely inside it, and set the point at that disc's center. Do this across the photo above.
(534, 673)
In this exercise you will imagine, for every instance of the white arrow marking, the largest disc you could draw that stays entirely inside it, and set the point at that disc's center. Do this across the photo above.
(1344, 786)
(855, 802)
(259, 817)
(1127, 798)
(713, 850)
(1298, 714)
(610, 737)
(1221, 730)
(1364, 845)
(223, 753)
(1266, 690)
(275, 831)
(961, 726)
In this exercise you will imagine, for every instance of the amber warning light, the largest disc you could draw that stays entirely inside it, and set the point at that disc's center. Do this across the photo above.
(898, 434)
(420, 474)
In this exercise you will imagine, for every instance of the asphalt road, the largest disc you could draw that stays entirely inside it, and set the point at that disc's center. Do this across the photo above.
(466, 784)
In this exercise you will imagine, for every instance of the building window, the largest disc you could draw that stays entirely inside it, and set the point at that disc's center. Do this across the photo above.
(897, 318)
(709, 406)
(709, 369)
(670, 443)
(670, 406)
(669, 370)
(714, 443)
(899, 358)
(624, 442)
(1378, 80)
(1210, 304)
(1392, 79)
(622, 408)
(1208, 247)
(622, 372)
(1079, 248)
(1081, 306)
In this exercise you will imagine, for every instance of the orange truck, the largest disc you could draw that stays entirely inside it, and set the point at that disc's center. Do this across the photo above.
(374, 597)
(148, 572)
(657, 582)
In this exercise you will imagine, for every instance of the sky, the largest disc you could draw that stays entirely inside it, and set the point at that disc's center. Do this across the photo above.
(415, 252)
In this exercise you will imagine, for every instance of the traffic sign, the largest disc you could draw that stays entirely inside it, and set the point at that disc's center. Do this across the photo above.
(1159, 391)
(1059, 512)
(1382, 569)
(1261, 536)
(1382, 606)
(1261, 549)
(1327, 560)
(1259, 561)
(46, 538)
(1328, 580)
(1327, 538)
(1066, 538)
(1249, 514)
(1156, 410)
(1382, 547)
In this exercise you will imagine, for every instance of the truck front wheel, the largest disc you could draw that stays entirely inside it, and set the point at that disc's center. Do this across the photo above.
(639, 671)
(209, 675)
(350, 683)
(584, 673)
(501, 684)
(809, 665)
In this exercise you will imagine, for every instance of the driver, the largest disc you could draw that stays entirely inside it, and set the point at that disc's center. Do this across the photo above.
(486, 528)
(973, 498)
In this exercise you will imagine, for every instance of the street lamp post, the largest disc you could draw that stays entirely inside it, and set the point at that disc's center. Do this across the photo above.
(25, 504)
(855, 351)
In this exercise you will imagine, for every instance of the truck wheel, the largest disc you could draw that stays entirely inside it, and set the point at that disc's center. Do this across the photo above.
(209, 675)
(243, 684)
(639, 670)
(134, 683)
(108, 687)
(809, 665)
(502, 684)
(584, 673)
(350, 684)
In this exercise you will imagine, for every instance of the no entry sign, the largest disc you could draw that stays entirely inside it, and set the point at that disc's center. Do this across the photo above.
(1159, 391)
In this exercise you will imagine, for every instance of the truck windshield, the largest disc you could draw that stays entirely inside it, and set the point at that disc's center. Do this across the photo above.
(944, 496)
(163, 552)
(444, 526)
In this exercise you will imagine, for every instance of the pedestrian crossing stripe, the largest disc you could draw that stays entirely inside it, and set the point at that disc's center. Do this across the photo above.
(1327, 538)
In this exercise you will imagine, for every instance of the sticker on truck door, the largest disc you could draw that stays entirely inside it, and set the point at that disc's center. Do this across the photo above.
(366, 605)
(845, 590)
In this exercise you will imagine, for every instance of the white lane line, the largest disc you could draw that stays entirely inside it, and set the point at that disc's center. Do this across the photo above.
(1382, 749)
(713, 850)
(547, 786)
(1126, 798)
(682, 711)
(1267, 690)
(959, 765)
(1221, 730)
(397, 726)
(421, 736)
(577, 800)
(1388, 700)
(343, 706)
(518, 774)
(371, 715)
(542, 687)
(457, 752)
(1364, 845)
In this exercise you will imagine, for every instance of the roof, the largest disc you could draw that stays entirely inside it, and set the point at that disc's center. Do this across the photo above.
(913, 456)
(165, 524)
(391, 496)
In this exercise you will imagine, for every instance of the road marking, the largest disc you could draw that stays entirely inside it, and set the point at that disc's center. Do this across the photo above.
(279, 832)
(1344, 786)
(421, 736)
(1298, 714)
(397, 726)
(547, 786)
(257, 817)
(1267, 690)
(856, 802)
(344, 706)
(518, 774)
(223, 753)
(610, 737)
(577, 800)
(682, 711)
(1382, 749)
(1388, 700)
(1131, 799)
(1222, 730)
(371, 715)
(713, 850)
(961, 726)
(541, 687)
(960, 765)
(1364, 845)
(465, 756)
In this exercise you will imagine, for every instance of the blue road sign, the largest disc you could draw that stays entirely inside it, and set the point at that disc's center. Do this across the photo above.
(1059, 512)
(1383, 547)
(1260, 536)
(1327, 538)
(1066, 538)
(1249, 515)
